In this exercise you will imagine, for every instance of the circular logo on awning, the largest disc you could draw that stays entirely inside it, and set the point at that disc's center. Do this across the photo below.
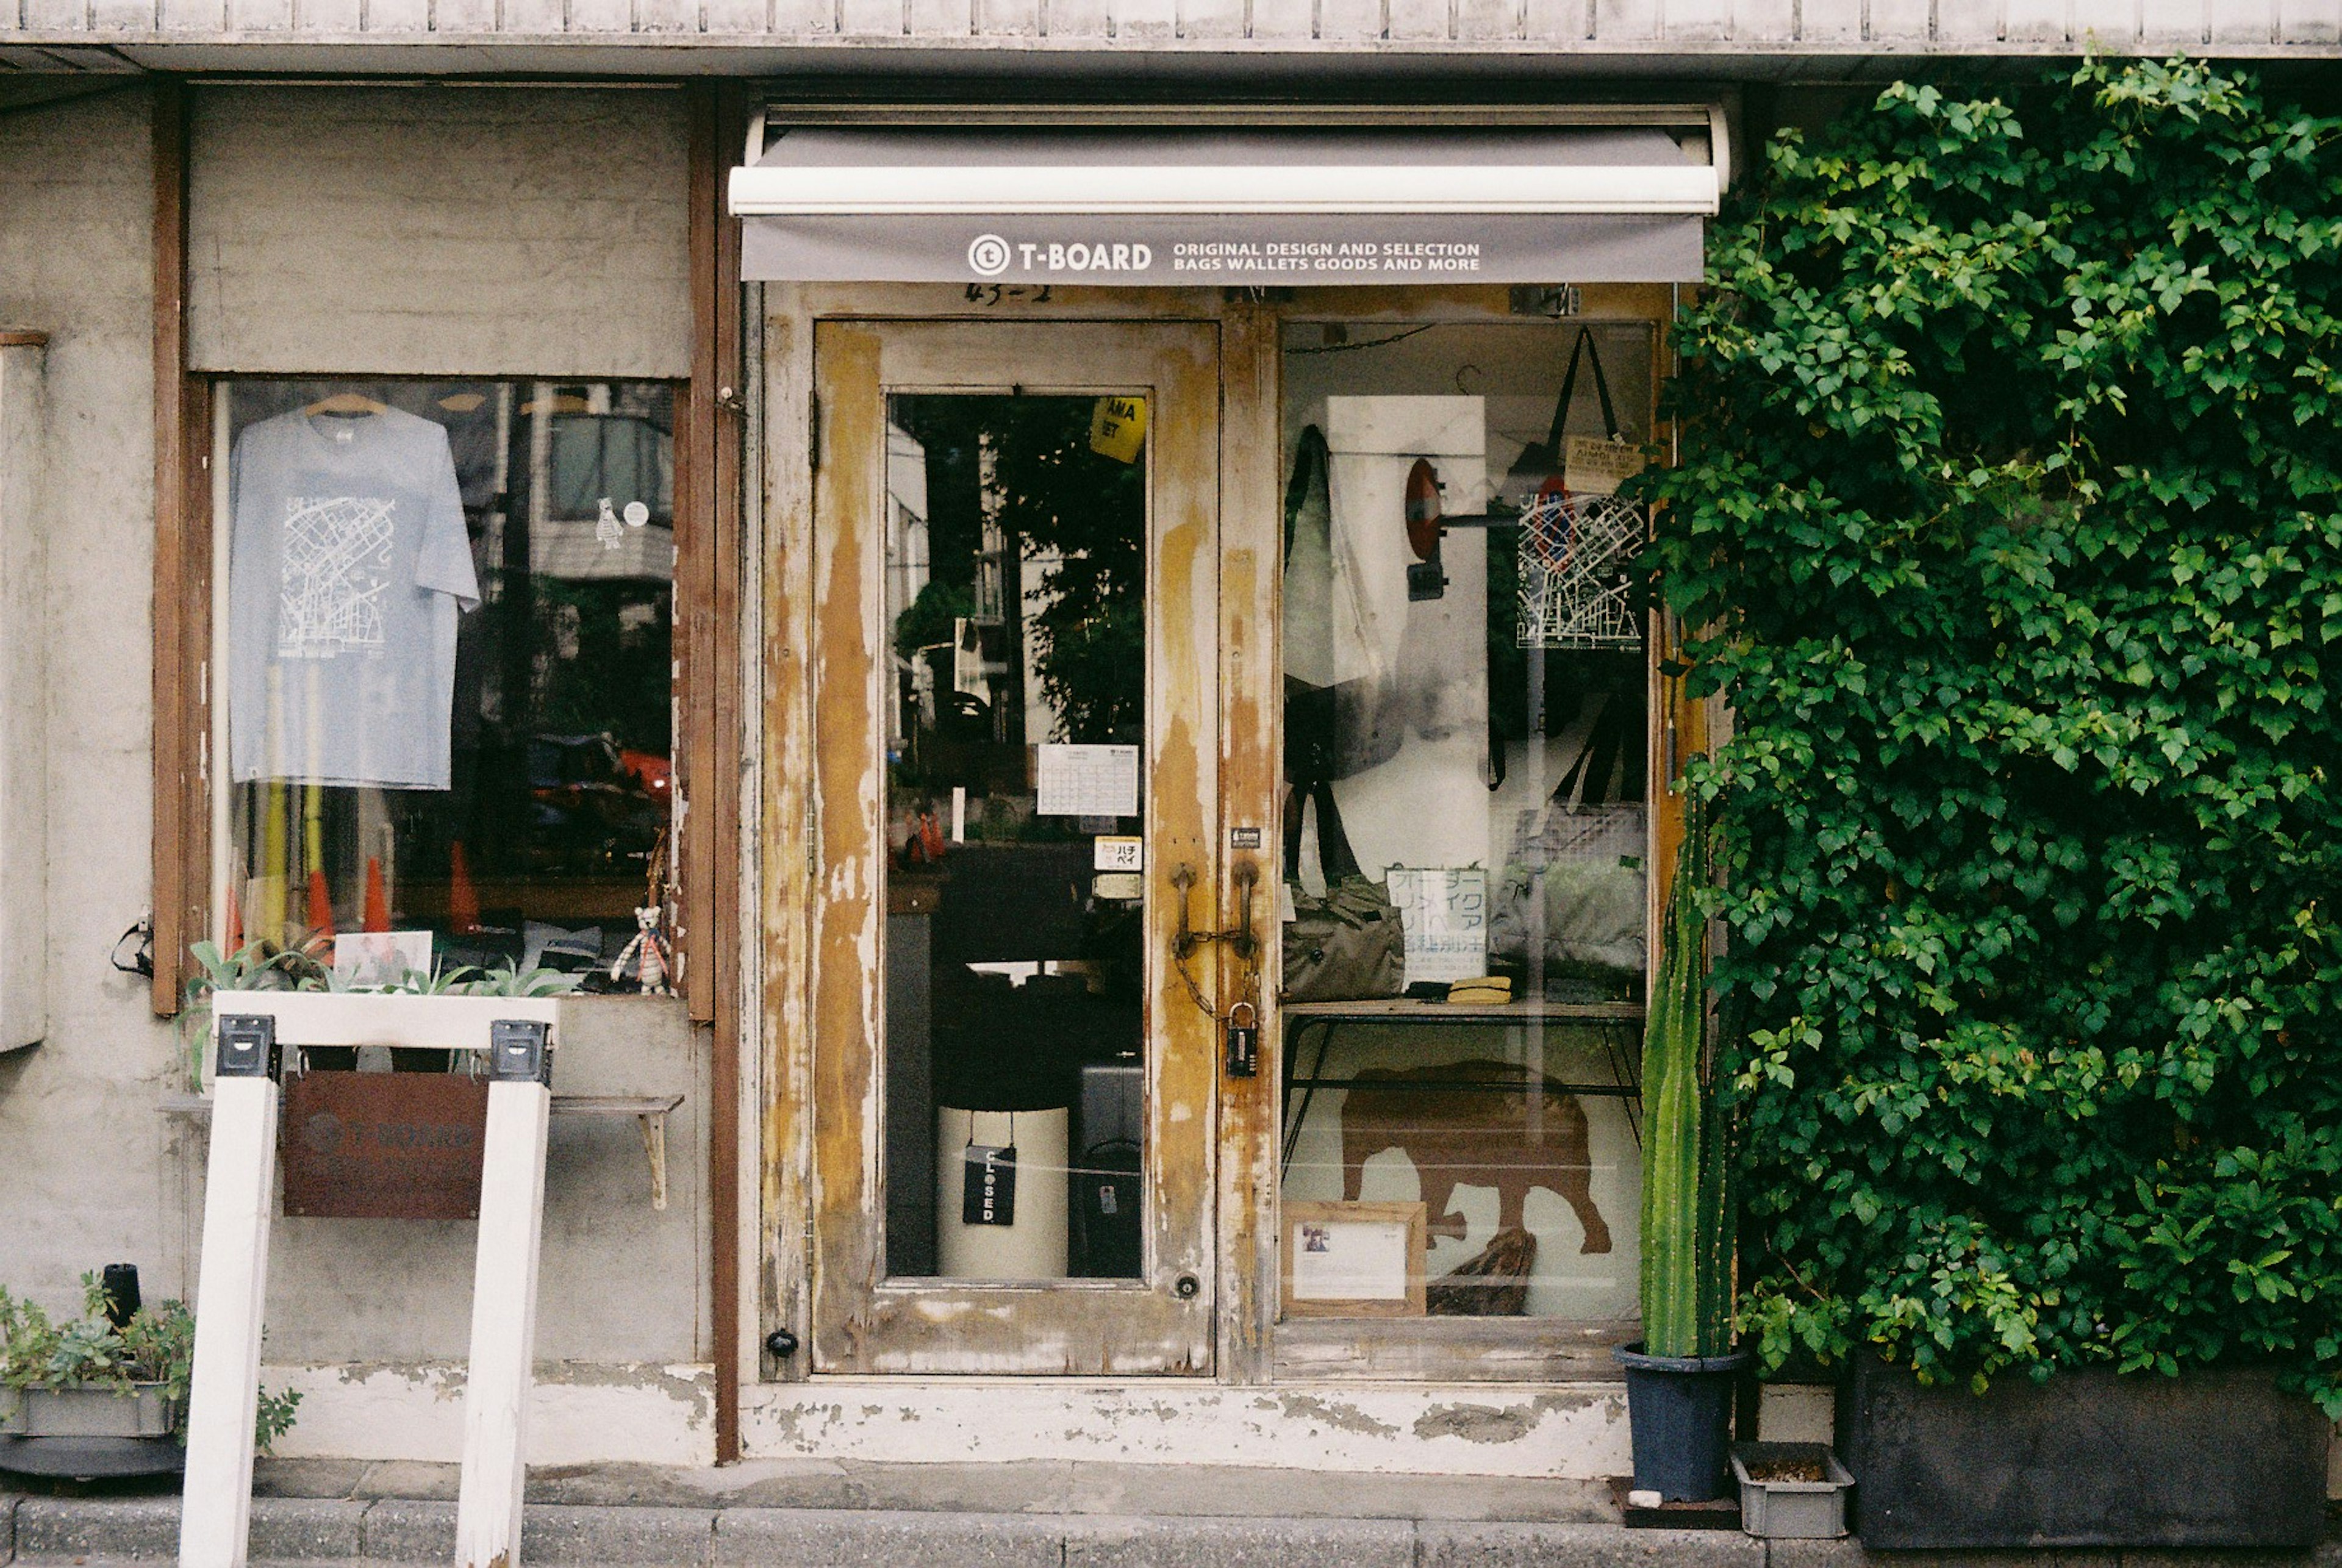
(989, 254)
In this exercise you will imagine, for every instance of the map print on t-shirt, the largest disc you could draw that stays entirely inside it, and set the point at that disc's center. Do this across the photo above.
(336, 566)
(348, 563)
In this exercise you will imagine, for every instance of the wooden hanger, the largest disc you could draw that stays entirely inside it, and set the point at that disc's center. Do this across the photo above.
(346, 403)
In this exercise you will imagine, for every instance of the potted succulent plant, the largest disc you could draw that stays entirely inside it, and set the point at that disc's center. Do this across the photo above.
(1680, 1374)
(109, 1372)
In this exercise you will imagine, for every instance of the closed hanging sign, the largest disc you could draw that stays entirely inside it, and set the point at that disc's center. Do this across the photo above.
(988, 1195)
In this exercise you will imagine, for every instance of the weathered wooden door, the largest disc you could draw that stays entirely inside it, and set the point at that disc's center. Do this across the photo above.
(1016, 571)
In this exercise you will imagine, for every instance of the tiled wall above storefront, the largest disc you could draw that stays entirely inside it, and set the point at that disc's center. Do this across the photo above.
(1598, 29)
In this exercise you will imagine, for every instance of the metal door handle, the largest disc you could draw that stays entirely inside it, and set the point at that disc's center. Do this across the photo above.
(1239, 937)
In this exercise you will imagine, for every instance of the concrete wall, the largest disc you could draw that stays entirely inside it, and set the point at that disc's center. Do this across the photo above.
(437, 230)
(85, 1176)
(515, 232)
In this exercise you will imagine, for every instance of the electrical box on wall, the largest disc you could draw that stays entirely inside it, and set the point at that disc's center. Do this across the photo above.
(23, 870)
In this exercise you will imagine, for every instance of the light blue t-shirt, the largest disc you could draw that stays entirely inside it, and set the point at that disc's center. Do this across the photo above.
(347, 565)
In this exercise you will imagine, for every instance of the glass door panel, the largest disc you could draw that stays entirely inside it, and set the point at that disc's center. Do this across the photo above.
(1016, 714)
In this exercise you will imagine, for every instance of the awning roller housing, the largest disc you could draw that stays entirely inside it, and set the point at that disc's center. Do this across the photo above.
(1151, 204)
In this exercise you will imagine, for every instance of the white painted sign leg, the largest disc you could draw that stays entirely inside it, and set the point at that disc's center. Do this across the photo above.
(504, 1327)
(224, 1391)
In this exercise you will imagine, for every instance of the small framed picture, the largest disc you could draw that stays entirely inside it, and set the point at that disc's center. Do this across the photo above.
(1353, 1260)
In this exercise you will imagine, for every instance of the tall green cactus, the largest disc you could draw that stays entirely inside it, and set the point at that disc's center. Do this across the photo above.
(1687, 1201)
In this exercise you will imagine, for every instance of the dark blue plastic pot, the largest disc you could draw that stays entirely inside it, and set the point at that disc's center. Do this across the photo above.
(1679, 1413)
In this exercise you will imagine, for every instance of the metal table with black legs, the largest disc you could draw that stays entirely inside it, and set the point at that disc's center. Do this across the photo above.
(1618, 1023)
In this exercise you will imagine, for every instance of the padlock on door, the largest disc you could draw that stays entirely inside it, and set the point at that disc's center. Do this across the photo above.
(1243, 1042)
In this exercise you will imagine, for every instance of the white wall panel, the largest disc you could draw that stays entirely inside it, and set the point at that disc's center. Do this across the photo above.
(398, 16)
(528, 16)
(437, 230)
(1484, 19)
(2111, 23)
(55, 15)
(1968, 21)
(1897, 22)
(465, 15)
(1062, 19)
(259, 16)
(1626, 21)
(1557, 21)
(1197, 19)
(671, 16)
(734, 16)
(2171, 22)
(614, 16)
(2037, 20)
(325, 15)
(2243, 21)
(1692, 20)
(1146, 21)
(2310, 21)
(1831, 22)
(1284, 19)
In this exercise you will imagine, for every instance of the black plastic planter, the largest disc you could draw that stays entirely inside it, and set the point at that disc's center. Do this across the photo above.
(2210, 1458)
(1679, 1416)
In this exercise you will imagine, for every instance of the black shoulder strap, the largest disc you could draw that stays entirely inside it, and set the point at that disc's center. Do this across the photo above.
(1334, 856)
(1592, 351)
(1310, 462)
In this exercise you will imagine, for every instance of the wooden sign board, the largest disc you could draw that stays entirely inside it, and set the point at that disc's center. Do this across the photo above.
(383, 1146)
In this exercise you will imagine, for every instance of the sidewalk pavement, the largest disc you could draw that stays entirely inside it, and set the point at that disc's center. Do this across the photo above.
(970, 1516)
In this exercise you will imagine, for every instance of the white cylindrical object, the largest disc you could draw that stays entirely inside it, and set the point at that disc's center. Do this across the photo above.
(1034, 1246)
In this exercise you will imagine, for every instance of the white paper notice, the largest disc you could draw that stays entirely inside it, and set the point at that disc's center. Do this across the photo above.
(381, 957)
(1088, 781)
(1444, 913)
(1350, 1261)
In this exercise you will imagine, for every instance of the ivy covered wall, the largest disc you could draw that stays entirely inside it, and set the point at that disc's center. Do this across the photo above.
(2011, 501)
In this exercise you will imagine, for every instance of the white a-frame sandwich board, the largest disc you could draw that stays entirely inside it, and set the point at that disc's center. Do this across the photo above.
(252, 1028)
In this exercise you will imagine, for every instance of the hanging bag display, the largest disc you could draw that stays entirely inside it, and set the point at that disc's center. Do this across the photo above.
(1569, 907)
(1577, 540)
(1348, 946)
(1337, 718)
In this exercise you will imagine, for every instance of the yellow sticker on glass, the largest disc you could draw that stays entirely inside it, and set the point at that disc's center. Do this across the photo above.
(1118, 428)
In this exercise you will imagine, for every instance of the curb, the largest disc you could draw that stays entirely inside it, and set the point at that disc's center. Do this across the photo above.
(36, 1532)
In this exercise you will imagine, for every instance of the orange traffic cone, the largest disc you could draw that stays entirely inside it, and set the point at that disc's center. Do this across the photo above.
(462, 898)
(378, 903)
(321, 904)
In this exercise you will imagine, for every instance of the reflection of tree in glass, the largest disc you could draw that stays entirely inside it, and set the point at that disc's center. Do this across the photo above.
(1082, 514)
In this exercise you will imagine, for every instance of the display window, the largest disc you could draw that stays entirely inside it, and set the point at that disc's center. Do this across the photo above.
(444, 629)
(1466, 821)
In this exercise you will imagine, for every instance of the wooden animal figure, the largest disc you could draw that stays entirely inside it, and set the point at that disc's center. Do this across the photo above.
(1474, 1137)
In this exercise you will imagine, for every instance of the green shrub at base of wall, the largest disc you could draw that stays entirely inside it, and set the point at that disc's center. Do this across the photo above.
(2011, 498)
